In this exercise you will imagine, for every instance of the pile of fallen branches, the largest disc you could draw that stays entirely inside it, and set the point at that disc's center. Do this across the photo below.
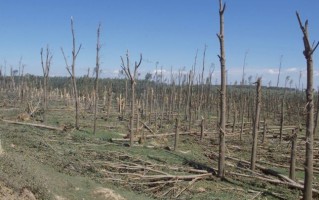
(163, 181)
(241, 169)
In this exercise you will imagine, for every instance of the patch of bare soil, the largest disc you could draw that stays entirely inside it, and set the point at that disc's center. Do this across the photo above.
(9, 194)
(1, 149)
(107, 194)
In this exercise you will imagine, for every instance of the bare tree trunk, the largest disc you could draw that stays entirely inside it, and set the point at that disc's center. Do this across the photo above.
(234, 117)
(264, 130)
(307, 195)
(279, 70)
(46, 70)
(255, 128)
(317, 116)
(109, 102)
(282, 116)
(96, 83)
(202, 84)
(131, 75)
(292, 170)
(187, 109)
(176, 135)
(71, 70)
(244, 65)
(202, 129)
(222, 123)
(243, 100)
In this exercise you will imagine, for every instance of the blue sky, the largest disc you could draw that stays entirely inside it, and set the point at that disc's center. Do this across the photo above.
(164, 31)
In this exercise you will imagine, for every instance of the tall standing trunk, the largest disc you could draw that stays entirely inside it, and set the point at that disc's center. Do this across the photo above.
(309, 50)
(255, 125)
(222, 123)
(96, 82)
(46, 70)
(71, 70)
(200, 107)
(317, 116)
(131, 76)
(282, 116)
(132, 113)
(243, 100)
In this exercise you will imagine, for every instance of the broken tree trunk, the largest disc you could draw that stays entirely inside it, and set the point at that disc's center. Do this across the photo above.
(222, 126)
(46, 70)
(309, 50)
(255, 128)
(71, 70)
(34, 125)
(131, 76)
(292, 170)
(176, 135)
(96, 82)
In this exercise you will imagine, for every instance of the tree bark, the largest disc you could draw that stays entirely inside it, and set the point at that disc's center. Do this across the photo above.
(96, 82)
(71, 70)
(131, 76)
(292, 169)
(308, 51)
(222, 123)
(46, 70)
(255, 128)
(282, 116)
(176, 134)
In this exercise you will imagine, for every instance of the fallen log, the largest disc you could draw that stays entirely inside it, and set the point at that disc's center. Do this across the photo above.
(147, 127)
(135, 176)
(275, 181)
(34, 125)
(287, 181)
(149, 136)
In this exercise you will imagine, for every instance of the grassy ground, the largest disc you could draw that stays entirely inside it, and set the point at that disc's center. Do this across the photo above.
(75, 164)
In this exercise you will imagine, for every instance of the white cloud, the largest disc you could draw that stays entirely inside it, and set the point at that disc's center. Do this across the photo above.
(292, 69)
(159, 71)
(272, 71)
(116, 72)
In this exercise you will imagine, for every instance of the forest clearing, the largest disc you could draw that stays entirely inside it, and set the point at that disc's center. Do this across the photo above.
(172, 136)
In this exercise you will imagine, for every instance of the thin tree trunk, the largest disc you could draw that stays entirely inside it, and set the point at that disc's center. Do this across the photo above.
(292, 169)
(243, 99)
(96, 83)
(317, 116)
(222, 123)
(72, 73)
(176, 135)
(282, 116)
(131, 75)
(46, 70)
(255, 128)
(307, 195)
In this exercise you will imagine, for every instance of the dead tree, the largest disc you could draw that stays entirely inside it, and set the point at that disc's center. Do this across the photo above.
(317, 115)
(282, 116)
(21, 80)
(292, 169)
(222, 123)
(131, 76)
(46, 70)
(71, 70)
(176, 134)
(244, 66)
(309, 50)
(202, 84)
(255, 125)
(96, 82)
(279, 70)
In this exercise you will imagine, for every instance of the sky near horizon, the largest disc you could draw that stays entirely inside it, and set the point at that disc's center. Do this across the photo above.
(165, 31)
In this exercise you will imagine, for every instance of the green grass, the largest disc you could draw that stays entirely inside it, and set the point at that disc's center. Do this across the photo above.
(69, 164)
